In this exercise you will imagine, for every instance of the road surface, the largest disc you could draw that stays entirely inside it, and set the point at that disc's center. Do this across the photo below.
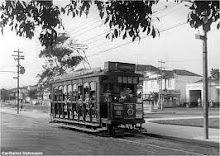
(25, 134)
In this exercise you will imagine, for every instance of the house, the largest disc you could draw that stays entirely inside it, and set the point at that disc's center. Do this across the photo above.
(169, 84)
(142, 70)
(194, 91)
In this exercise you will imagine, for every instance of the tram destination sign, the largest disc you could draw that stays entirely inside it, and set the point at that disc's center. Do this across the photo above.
(119, 66)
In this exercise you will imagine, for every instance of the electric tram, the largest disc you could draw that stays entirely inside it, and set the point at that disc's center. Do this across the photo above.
(106, 98)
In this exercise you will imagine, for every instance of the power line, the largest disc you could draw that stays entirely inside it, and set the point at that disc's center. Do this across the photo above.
(155, 12)
(166, 29)
(167, 8)
(142, 37)
(84, 27)
(99, 25)
(8, 71)
(73, 30)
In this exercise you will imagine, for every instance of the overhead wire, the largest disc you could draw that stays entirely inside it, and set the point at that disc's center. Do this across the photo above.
(86, 22)
(166, 29)
(167, 8)
(155, 12)
(89, 30)
(100, 43)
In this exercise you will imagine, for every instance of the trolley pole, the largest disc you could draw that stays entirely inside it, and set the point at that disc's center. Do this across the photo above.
(205, 80)
(17, 58)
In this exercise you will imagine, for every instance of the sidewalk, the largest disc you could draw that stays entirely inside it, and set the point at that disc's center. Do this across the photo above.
(187, 133)
(33, 113)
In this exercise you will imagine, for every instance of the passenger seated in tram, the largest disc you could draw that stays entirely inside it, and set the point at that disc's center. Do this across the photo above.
(80, 105)
(87, 103)
(126, 95)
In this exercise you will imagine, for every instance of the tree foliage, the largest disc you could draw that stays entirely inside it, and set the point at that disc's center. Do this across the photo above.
(204, 13)
(125, 17)
(33, 93)
(24, 16)
(214, 74)
(5, 94)
(60, 59)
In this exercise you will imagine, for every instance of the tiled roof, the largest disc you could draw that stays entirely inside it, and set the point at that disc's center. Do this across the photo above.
(209, 81)
(179, 72)
(184, 72)
(146, 68)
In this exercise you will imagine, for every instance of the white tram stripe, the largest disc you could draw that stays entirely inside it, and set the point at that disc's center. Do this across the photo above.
(167, 148)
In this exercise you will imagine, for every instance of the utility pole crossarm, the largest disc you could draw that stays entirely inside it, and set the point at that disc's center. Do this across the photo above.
(17, 58)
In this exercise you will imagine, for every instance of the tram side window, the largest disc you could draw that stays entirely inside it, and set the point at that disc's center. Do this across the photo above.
(80, 92)
(56, 91)
(60, 93)
(86, 90)
(74, 92)
(69, 95)
(92, 91)
(64, 93)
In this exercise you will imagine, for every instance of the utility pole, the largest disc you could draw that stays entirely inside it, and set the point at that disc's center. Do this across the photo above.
(161, 83)
(17, 58)
(205, 80)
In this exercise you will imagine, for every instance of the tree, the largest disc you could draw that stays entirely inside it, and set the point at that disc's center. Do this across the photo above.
(5, 94)
(60, 59)
(127, 18)
(214, 74)
(33, 93)
(204, 13)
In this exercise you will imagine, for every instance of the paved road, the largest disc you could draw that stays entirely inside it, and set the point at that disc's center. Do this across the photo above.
(27, 134)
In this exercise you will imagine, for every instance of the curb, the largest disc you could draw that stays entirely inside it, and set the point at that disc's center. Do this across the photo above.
(159, 113)
(192, 141)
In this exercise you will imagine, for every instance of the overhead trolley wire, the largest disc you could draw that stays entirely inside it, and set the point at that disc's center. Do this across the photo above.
(166, 29)
(86, 22)
(167, 8)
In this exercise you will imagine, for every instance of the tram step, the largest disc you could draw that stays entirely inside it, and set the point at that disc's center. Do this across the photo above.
(84, 129)
(88, 124)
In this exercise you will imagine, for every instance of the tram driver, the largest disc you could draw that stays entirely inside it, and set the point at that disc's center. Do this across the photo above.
(126, 95)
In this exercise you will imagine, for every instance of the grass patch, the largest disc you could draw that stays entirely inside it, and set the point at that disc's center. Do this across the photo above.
(213, 122)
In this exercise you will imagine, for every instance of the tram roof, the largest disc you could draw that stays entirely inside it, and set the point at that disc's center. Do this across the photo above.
(91, 73)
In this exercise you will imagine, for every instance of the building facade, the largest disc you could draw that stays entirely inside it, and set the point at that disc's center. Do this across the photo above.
(194, 91)
(169, 85)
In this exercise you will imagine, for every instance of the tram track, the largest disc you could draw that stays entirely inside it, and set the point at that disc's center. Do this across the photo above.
(129, 138)
(154, 143)
(157, 146)
(133, 138)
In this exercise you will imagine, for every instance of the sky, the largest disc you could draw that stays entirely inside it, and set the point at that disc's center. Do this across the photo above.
(177, 46)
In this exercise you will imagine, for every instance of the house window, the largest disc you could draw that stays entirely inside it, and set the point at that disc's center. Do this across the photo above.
(169, 83)
(152, 84)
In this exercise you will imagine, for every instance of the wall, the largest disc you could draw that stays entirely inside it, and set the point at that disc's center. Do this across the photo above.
(181, 82)
(213, 92)
(177, 82)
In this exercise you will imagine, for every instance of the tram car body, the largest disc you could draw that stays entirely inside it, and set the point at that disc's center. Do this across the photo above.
(104, 97)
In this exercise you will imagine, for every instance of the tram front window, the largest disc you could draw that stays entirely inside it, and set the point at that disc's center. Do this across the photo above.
(121, 93)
